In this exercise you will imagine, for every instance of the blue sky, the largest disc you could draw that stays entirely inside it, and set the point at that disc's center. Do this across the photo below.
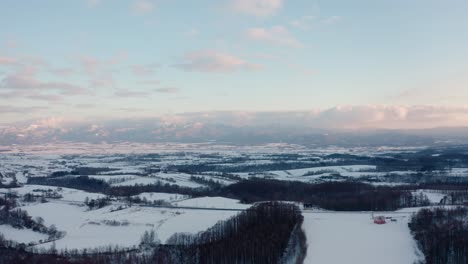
(124, 58)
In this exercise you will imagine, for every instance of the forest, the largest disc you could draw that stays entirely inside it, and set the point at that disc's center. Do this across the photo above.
(442, 234)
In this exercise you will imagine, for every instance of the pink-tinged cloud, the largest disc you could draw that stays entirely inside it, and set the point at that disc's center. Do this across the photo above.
(93, 66)
(278, 35)
(214, 61)
(25, 80)
(102, 81)
(11, 43)
(89, 64)
(63, 72)
(169, 90)
(260, 8)
(8, 61)
(339, 117)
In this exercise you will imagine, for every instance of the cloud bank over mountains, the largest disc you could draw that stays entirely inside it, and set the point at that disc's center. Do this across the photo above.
(246, 127)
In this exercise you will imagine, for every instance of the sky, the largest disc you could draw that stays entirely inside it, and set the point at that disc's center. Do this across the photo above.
(111, 59)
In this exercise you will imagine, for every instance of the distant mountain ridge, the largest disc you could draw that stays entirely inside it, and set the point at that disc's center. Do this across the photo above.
(155, 130)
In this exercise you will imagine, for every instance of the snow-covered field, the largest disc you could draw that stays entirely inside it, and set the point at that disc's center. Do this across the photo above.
(434, 196)
(212, 202)
(336, 238)
(21, 235)
(66, 193)
(157, 196)
(123, 228)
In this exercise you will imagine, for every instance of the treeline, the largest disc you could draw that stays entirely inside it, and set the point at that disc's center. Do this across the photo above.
(339, 196)
(84, 183)
(88, 184)
(442, 235)
(262, 234)
(456, 198)
(11, 253)
(242, 167)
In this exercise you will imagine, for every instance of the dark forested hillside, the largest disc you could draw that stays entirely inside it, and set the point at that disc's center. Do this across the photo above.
(341, 196)
(266, 233)
(442, 235)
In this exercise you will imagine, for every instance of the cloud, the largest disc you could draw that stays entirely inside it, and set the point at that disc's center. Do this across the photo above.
(103, 81)
(392, 117)
(84, 106)
(63, 72)
(21, 110)
(11, 43)
(142, 7)
(50, 122)
(144, 69)
(89, 64)
(44, 97)
(150, 82)
(243, 126)
(339, 117)
(259, 8)
(27, 81)
(8, 61)
(278, 35)
(32, 95)
(129, 93)
(170, 90)
(214, 61)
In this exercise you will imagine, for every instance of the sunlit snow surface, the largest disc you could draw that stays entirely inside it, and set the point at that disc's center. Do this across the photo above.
(336, 238)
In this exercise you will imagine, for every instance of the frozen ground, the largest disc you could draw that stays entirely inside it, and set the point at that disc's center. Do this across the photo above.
(337, 238)
(21, 235)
